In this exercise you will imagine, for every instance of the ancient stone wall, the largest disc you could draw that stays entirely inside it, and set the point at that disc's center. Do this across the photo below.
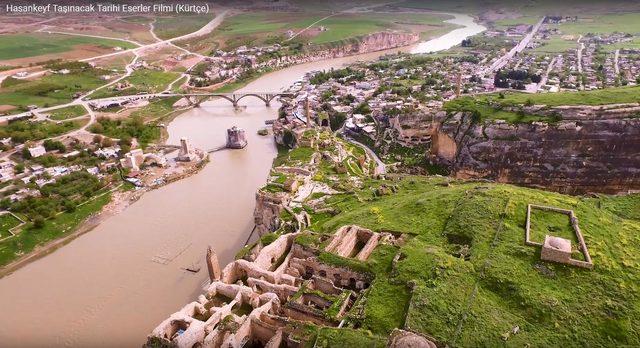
(570, 156)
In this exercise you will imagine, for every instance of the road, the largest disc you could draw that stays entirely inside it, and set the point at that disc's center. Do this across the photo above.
(381, 168)
(545, 76)
(351, 10)
(84, 102)
(44, 30)
(521, 46)
(208, 28)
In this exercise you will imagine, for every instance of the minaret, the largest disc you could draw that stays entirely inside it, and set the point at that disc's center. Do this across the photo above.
(212, 265)
(307, 111)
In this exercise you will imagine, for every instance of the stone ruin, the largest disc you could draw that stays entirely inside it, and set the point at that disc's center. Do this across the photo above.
(186, 152)
(557, 249)
(236, 138)
(260, 300)
(407, 339)
(354, 241)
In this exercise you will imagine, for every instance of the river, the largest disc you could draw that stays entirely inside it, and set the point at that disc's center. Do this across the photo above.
(104, 288)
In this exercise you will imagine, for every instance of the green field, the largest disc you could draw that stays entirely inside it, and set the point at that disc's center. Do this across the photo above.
(32, 45)
(510, 22)
(347, 26)
(60, 226)
(259, 26)
(556, 45)
(170, 27)
(23, 131)
(50, 90)
(597, 97)
(500, 283)
(264, 23)
(68, 112)
(142, 81)
(7, 222)
(625, 23)
(633, 44)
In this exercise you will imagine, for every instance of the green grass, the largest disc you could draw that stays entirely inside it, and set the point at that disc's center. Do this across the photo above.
(551, 223)
(347, 26)
(263, 23)
(170, 27)
(68, 112)
(488, 112)
(602, 24)
(510, 22)
(633, 44)
(301, 155)
(22, 131)
(597, 97)
(50, 90)
(500, 283)
(556, 45)
(340, 27)
(32, 45)
(333, 337)
(7, 222)
(142, 81)
(61, 226)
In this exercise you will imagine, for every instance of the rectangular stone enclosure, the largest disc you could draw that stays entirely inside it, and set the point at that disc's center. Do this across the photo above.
(557, 249)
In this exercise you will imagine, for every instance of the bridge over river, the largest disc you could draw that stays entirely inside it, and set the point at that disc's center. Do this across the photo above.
(193, 98)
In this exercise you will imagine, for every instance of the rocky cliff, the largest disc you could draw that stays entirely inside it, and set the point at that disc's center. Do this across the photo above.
(365, 44)
(595, 150)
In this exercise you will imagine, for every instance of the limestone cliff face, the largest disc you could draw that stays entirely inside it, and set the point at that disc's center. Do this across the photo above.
(366, 44)
(587, 151)
(374, 42)
(267, 211)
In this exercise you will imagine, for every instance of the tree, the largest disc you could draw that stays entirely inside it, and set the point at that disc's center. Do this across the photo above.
(19, 168)
(97, 139)
(107, 142)
(38, 222)
(25, 153)
(51, 145)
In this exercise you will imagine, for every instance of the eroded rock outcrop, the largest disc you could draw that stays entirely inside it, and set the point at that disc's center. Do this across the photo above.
(586, 151)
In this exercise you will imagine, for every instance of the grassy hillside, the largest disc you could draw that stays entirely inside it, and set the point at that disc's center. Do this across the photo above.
(488, 106)
(252, 28)
(467, 279)
(170, 27)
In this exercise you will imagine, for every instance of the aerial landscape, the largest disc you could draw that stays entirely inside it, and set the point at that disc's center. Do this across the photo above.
(292, 173)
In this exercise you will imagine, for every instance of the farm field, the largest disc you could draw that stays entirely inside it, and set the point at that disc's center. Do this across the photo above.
(49, 90)
(627, 23)
(68, 112)
(141, 81)
(556, 44)
(64, 224)
(32, 45)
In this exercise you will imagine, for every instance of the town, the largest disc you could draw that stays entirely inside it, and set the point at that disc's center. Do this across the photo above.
(289, 174)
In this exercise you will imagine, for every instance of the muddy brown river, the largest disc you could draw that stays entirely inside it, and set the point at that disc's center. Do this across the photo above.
(112, 286)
